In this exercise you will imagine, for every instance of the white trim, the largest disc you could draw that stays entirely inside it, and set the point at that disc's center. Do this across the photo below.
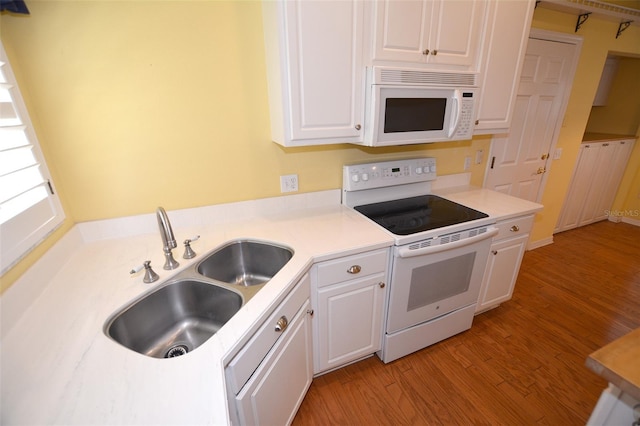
(630, 221)
(540, 243)
(557, 37)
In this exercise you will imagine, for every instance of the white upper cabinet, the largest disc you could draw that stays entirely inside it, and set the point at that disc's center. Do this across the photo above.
(504, 47)
(315, 71)
(428, 33)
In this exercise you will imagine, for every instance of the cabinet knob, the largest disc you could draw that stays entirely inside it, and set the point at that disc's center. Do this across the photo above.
(514, 228)
(477, 122)
(434, 52)
(494, 252)
(425, 52)
(282, 324)
(382, 285)
(355, 269)
(310, 312)
(358, 127)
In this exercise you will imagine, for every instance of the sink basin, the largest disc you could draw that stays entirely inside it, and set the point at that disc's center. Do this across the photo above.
(174, 319)
(245, 262)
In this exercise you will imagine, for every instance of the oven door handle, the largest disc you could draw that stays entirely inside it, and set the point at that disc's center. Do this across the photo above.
(406, 252)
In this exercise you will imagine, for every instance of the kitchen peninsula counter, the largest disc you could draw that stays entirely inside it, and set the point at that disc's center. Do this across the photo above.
(59, 367)
(619, 363)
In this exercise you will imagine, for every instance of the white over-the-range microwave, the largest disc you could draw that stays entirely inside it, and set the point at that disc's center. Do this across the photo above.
(410, 106)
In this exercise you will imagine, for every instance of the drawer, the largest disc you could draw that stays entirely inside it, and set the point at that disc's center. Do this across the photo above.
(242, 366)
(514, 227)
(350, 267)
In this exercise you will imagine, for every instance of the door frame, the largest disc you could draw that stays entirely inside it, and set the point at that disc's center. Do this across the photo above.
(553, 36)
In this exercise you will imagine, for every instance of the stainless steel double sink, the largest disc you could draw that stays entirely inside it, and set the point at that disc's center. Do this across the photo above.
(179, 315)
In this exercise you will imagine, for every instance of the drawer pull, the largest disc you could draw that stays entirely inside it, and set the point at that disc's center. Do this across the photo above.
(282, 324)
(514, 228)
(355, 269)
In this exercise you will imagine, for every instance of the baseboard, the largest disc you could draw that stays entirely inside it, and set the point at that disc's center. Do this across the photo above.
(540, 243)
(631, 221)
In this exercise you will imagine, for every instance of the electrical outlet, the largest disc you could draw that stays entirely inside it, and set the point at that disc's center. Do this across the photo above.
(479, 155)
(289, 183)
(557, 153)
(467, 163)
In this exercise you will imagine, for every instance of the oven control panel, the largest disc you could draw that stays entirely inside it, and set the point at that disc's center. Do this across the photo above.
(357, 177)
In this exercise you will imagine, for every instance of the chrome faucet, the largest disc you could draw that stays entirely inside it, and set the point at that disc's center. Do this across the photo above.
(168, 240)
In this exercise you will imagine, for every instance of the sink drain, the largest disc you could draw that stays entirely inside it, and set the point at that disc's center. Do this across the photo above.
(176, 351)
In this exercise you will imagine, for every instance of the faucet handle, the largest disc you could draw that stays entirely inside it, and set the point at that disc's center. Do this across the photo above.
(188, 251)
(149, 275)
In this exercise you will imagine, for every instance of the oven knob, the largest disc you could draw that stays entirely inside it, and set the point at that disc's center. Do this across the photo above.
(418, 170)
(365, 177)
(355, 178)
(433, 168)
(425, 169)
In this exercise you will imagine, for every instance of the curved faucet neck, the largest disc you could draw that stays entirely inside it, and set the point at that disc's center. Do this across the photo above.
(166, 232)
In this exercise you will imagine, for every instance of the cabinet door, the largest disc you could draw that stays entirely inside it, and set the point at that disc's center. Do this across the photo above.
(504, 47)
(579, 187)
(428, 31)
(348, 318)
(502, 271)
(456, 29)
(402, 30)
(323, 95)
(613, 176)
(599, 183)
(274, 393)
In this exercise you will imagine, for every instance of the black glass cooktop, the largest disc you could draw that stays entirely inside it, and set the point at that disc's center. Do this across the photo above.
(416, 214)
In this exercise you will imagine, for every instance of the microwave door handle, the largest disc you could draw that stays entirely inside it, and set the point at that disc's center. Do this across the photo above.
(456, 111)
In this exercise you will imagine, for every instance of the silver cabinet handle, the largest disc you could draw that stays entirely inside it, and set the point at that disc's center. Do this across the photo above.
(354, 269)
(282, 324)
(514, 228)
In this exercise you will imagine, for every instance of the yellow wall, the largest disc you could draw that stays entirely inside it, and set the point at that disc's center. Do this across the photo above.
(145, 103)
(621, 114)
(598, 40)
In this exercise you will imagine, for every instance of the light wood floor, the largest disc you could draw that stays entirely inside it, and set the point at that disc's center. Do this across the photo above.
(522, 363)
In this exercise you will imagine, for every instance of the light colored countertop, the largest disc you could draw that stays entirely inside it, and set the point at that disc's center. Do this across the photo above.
(619, 363)
(58, 366)
(599, 137)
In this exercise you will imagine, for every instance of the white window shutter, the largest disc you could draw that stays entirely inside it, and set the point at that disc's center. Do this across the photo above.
(29, 208)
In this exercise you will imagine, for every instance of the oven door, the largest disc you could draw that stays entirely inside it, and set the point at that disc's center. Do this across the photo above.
(433, 281)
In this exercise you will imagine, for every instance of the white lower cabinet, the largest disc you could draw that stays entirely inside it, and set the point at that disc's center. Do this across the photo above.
(504, 261)
(348, 297)
(269, 377)
(594, 184)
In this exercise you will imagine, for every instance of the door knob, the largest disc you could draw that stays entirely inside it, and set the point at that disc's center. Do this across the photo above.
(541, 170)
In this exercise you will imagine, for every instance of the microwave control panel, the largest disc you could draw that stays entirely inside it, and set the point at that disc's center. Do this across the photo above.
(388, 173)
(466, 124)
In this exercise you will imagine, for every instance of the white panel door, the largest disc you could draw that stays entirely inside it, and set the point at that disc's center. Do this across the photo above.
(579, 187)
(456, 31)
(428, 31)
(519, 159)
(325, 58)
